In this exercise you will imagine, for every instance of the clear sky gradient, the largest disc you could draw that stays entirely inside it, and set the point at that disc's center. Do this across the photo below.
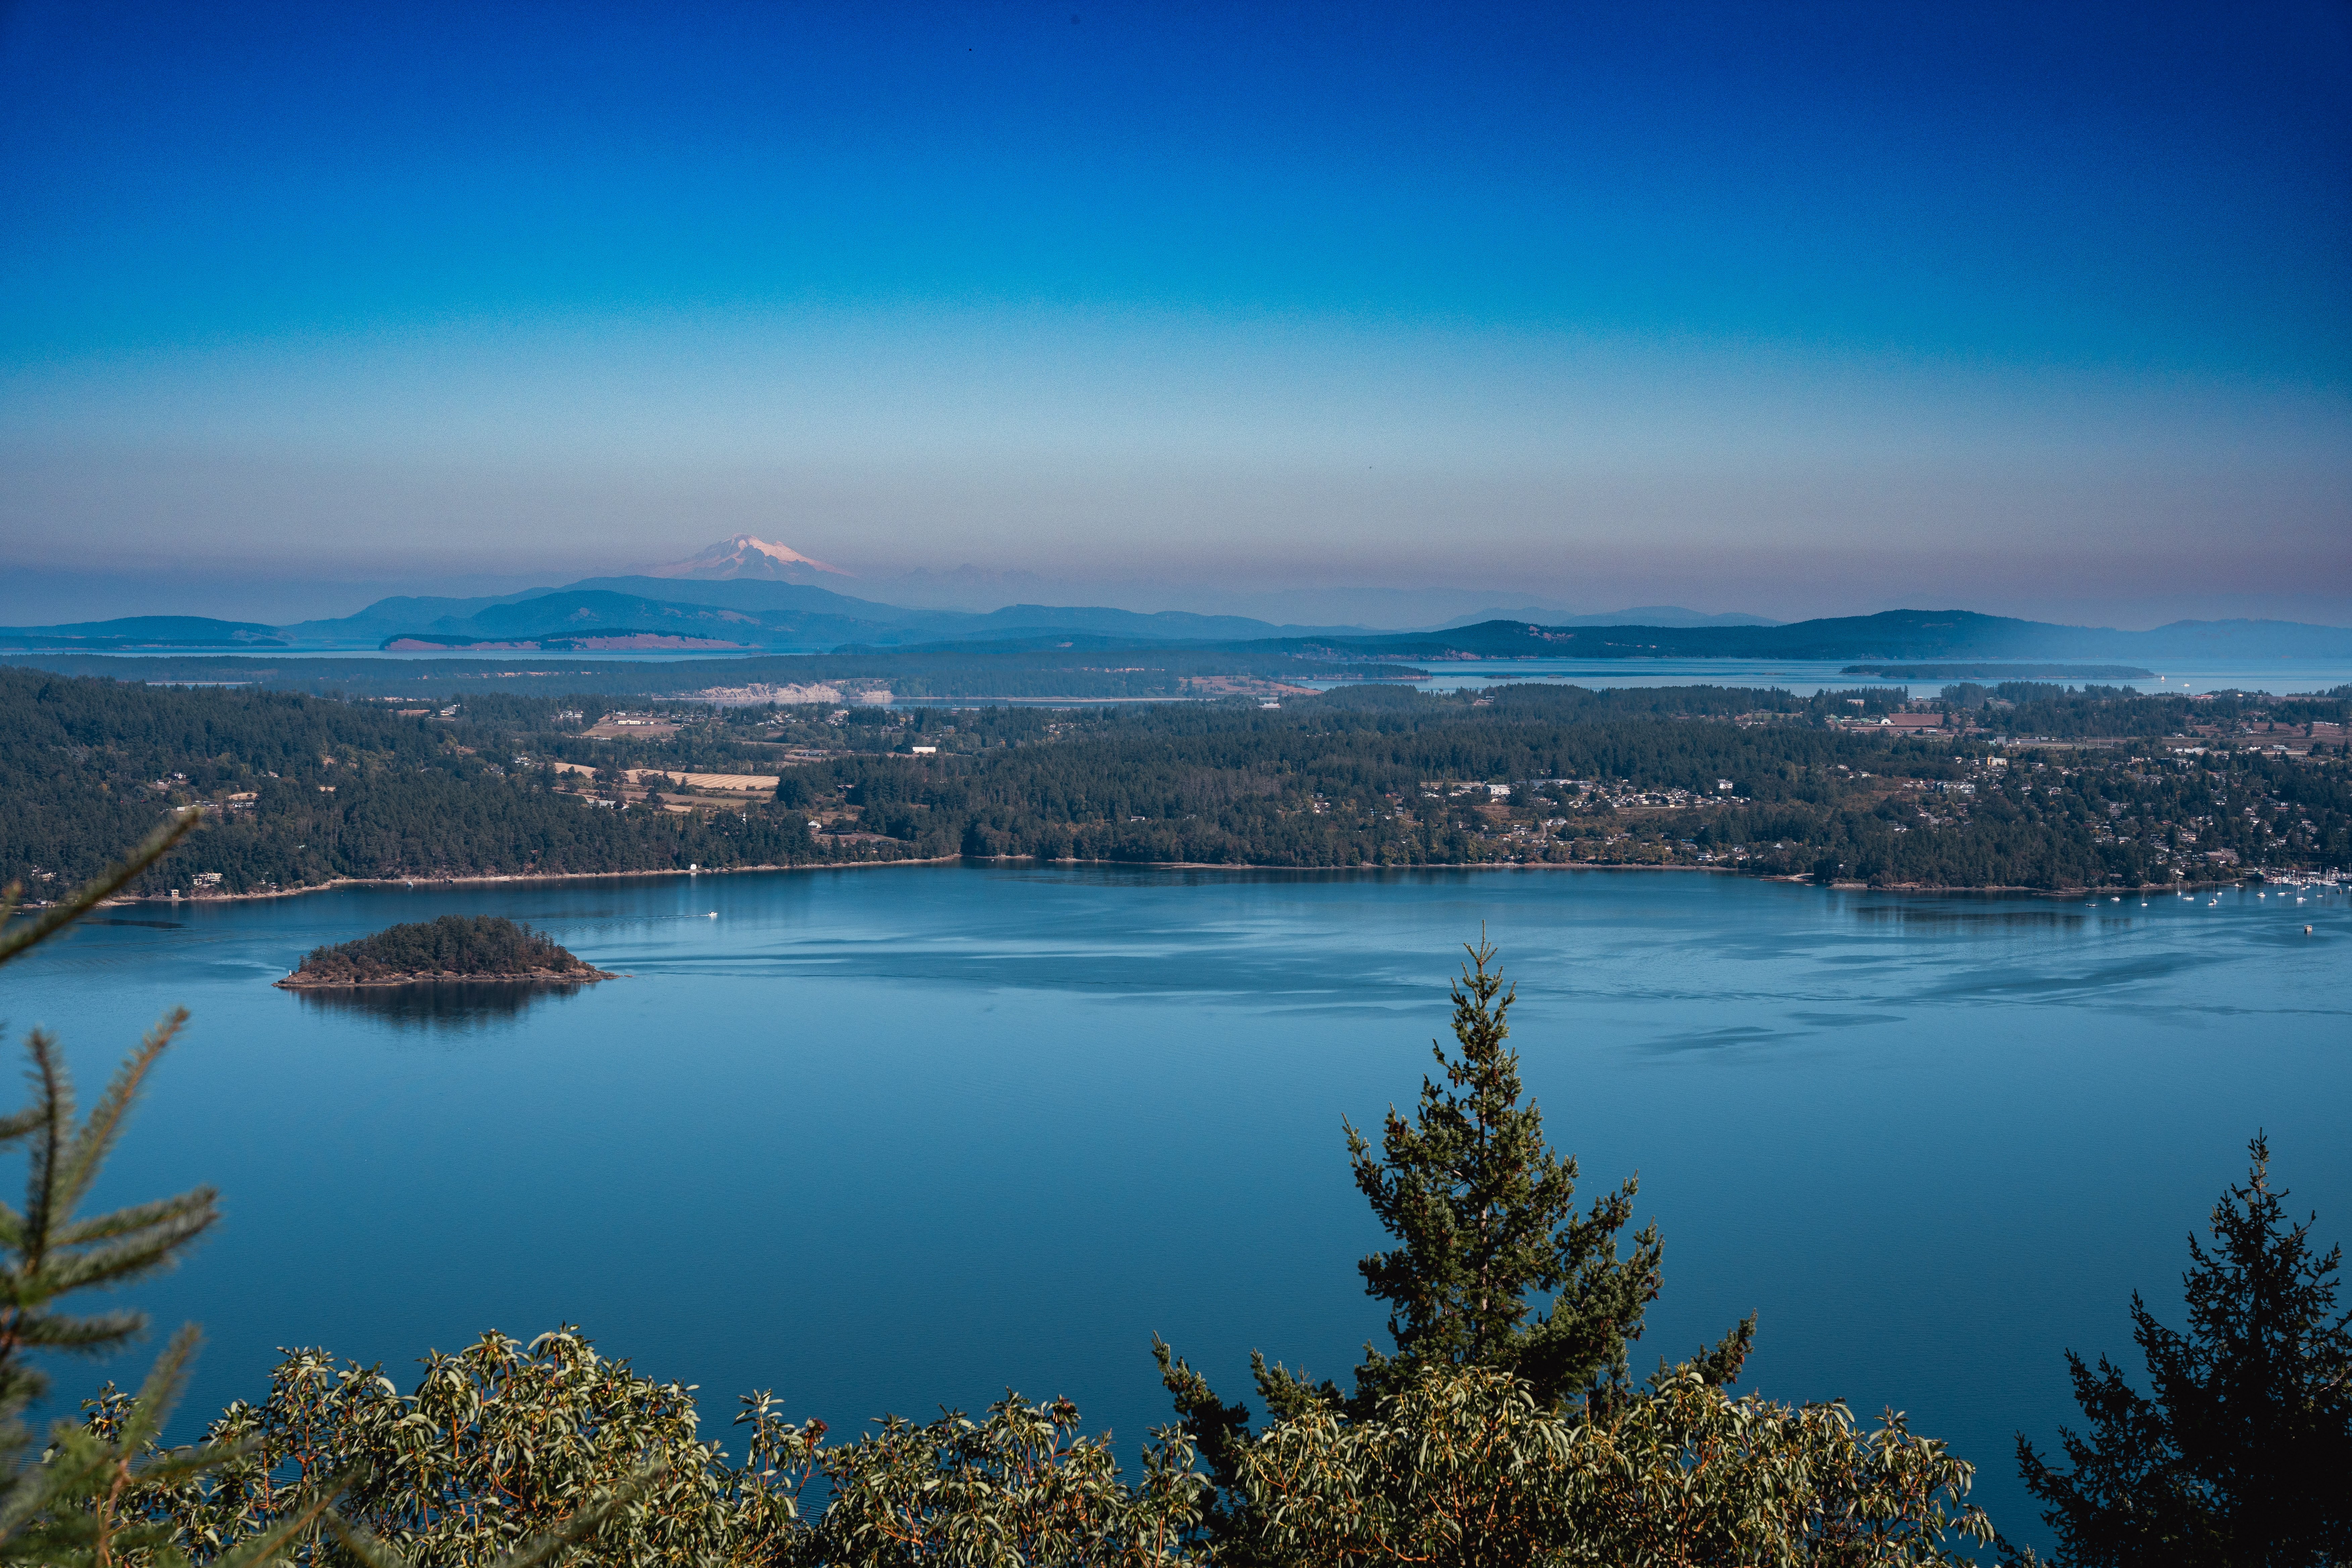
(2045, 309)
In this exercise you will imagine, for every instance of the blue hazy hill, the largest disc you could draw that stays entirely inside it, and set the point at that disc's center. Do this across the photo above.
(1893, 634)
(777, 617)
(1639, 615)
(783, 618)
(145, 631)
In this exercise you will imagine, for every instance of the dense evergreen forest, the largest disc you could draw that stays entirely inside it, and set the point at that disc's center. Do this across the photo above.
(300, 791)
(452, 946)
(2034, 786)
(1691, 775)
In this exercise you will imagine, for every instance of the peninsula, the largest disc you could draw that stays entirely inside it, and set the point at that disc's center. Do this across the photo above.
(453, 947)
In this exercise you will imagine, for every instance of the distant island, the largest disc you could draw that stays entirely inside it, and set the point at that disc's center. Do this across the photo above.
(596, 642)
(455, 947)
(2003, 672)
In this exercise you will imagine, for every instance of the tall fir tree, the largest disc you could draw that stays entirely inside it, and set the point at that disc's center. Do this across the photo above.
(1494, 1270)
(2242, 1453)
(1484, 1212)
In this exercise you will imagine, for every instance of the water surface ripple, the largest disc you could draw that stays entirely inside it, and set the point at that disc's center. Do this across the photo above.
(886, 1139)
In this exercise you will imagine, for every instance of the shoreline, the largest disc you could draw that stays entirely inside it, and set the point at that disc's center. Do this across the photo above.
(531, 878)
(527, 876)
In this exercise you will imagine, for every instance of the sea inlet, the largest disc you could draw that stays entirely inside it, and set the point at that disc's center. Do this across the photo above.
(887, 1139)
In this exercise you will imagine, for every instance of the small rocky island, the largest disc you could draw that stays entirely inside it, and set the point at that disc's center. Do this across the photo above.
(455, 947)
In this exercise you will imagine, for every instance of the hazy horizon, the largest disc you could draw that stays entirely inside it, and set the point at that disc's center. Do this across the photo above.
(1328, 312)
(39, 598)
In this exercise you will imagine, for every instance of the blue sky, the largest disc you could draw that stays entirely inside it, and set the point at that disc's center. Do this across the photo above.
(2045, 309)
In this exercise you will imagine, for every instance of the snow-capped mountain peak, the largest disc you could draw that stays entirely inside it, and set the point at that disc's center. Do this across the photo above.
(744, 556)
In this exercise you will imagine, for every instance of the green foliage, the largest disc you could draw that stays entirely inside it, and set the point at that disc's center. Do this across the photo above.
(1483, 1211)
(61, 1511)
(2241, 1452)
(1464, 1465)
(1457, 1465)
(70, 1509)
(504, 1444)
(502, 1449)
(49, 1251)
(452, 945)
(1020, 1487)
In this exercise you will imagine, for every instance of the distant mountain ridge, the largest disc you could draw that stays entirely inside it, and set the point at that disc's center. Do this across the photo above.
(1640, 615)
(144, 632)
(773, 616)
(1893, 634)
(759, 605)
(780, 607)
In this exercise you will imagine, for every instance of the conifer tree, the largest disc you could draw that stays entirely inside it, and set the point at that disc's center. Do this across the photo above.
(49, 1251)
(2242, 1453)
(59, 1512)
(72, 1507)
(1483, 1211)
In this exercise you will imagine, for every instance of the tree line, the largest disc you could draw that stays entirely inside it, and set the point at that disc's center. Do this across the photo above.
(297, 790)
(1392, 778)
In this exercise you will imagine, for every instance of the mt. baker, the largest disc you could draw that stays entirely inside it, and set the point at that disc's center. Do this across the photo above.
(744, 556)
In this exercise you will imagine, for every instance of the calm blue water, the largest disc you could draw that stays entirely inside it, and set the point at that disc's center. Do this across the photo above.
(1806, 677)
(887, 1138)
(1802, 677)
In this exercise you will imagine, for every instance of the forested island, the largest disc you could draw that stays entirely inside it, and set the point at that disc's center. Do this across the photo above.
(453, 947)
(2022, 785)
